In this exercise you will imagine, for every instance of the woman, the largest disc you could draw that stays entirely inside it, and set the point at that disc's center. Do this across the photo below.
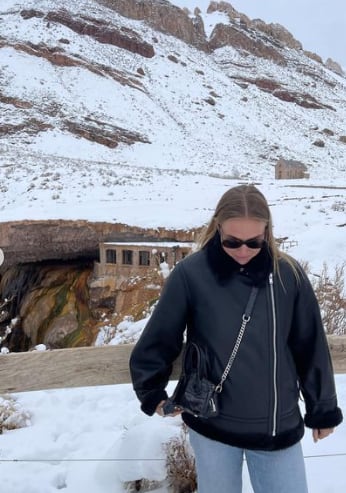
(283, 351)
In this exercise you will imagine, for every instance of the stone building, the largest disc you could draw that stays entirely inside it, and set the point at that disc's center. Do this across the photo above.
(286, 169)
(130, 274)
(125, 259)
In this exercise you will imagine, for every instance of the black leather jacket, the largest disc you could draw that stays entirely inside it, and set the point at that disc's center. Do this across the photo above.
(283, 352)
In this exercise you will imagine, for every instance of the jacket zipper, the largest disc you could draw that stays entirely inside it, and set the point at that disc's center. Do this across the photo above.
(275, 407)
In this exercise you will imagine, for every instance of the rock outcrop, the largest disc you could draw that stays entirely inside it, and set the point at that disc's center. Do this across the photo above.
(252, 32)
(57, 56)
(164, 17)
(279, 91)
(30, 126)
(334, 66)
(98, 29)
(231, 12)
(278, 33)
(103, 133)
(313, 56)
(223, 35)
(17, 103)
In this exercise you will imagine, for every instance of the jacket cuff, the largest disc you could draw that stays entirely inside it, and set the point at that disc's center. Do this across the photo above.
(329, 419)
(152, 400)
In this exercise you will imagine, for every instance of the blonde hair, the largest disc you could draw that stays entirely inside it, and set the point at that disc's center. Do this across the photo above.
(240, 202)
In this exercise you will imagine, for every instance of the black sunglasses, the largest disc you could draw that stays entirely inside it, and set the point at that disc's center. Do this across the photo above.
(255, 243)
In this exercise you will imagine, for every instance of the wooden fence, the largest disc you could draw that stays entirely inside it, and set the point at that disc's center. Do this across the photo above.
(63, 368)
(91, 366)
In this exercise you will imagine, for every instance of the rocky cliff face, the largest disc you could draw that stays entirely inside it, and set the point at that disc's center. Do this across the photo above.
(164, 17)
(278, 33)
(48, 279)
(48, 303)
(254, 36)
(242, 34)
(241, 40)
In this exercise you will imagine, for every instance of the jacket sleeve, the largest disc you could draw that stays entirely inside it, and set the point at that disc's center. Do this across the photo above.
(160, 343)
(310, 350)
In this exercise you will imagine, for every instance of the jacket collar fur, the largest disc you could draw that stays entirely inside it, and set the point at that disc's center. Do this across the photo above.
(225, 266)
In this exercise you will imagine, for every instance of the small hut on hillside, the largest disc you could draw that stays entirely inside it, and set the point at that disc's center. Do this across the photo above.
(288, 169)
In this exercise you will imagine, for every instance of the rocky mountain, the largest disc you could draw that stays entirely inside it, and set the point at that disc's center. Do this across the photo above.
(96, 94)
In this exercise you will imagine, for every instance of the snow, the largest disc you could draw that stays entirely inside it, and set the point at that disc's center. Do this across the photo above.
(94, 439)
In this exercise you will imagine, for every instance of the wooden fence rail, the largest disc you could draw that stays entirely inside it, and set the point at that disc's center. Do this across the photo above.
(63, 368)
(91, 366)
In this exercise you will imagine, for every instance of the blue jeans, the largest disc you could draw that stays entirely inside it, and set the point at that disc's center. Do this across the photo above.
(219, 468)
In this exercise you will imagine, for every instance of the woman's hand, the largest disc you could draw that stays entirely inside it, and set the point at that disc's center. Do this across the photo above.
(160, 412)
(318, 434)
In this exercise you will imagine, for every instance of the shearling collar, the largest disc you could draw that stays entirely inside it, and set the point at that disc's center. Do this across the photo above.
(225, 266)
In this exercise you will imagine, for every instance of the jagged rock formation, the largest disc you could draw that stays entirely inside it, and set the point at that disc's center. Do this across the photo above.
(231, 12)
(164, 17)
(313, 56)
(229, 35)
(279, 33)
(336, 67)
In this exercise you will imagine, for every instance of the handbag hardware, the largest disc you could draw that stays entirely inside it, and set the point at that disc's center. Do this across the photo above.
(194, 393)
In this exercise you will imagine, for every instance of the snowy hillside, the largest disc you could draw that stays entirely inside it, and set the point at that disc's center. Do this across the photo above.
(194, 119)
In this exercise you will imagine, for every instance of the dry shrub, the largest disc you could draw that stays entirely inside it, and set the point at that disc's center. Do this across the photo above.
(181, 472)
(12, 416)
(180, 467)
(329, 290)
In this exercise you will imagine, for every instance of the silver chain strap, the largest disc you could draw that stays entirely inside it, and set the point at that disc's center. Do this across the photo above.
(245, 319)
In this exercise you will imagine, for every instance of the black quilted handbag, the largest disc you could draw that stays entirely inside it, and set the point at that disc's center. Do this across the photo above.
(194, 393)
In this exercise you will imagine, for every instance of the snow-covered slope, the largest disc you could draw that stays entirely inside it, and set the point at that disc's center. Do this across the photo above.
(195, 119)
